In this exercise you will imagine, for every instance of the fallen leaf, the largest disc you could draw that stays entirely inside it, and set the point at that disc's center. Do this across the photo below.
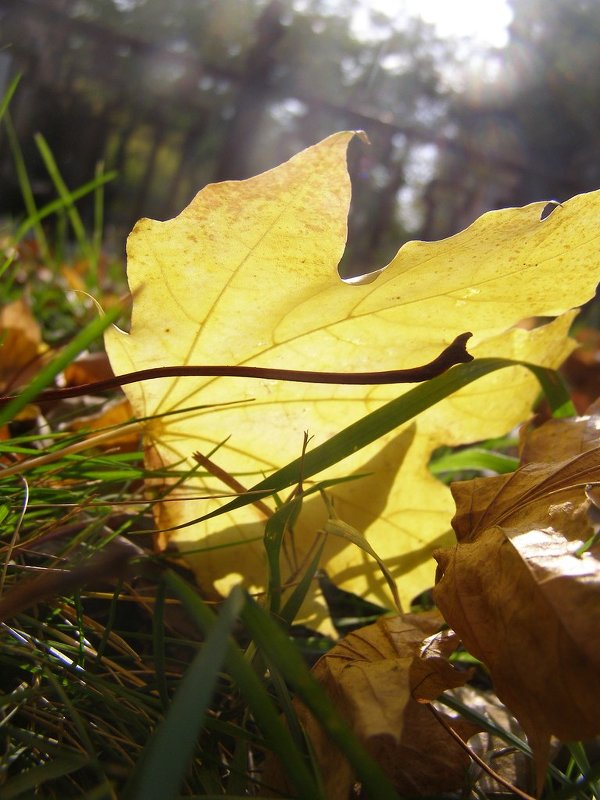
(21, 346)
(75, 275)
(86, 368)
(521, 592)
(111, 415)
(246, 274)
(378, 678)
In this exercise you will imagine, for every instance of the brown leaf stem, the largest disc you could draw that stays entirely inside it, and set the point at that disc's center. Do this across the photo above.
(455, 353)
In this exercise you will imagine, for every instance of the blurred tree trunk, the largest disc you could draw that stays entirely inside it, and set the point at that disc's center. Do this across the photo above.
(172, 196)
(252, 97)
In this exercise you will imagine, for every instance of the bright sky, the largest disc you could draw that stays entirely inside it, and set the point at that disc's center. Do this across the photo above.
(485, 20)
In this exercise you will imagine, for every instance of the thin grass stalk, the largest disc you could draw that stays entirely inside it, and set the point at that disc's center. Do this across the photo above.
(66, 196)
(25, 187)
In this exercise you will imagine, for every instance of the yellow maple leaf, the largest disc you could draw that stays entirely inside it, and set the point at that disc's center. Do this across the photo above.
(246, 275)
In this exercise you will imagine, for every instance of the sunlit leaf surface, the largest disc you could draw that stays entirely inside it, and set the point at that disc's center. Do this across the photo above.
(246, 274)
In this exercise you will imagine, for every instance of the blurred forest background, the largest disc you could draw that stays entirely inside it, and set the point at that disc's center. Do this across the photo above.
(175, 94)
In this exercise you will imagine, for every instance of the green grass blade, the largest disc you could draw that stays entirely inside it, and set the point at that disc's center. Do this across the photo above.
(41, 744)
(34, 778)
(337, 527)
(59, 204)
(93, 762)
(279, 650)
(26, 190)
(579, 756)
(64, 358)
(474, 458)
(265, 714)
(238, 768)
(160, 771)
(555, 391)
(292, 605)
(277, 525)
(158, 636)
(485, 723)
(581, 787)
(67, 197)
(98, 228)
(386, 419)
(8, 95)
(110, 618)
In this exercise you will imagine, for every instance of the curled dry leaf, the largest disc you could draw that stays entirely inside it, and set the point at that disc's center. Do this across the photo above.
(246, 275)
(522, 592)
(380, 678)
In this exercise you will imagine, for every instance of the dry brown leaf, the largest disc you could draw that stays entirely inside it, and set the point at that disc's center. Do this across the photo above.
(96, 367)
(519, 592)
(112, 414)
(21, 345)
(87, 368)
(379, 678)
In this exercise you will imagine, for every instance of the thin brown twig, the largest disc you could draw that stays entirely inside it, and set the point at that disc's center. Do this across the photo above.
(455, 353)
(228, 479)
(477, 759)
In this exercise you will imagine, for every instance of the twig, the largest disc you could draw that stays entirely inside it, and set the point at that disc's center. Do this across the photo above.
(477, 759)
(228, 479)
(455, 353)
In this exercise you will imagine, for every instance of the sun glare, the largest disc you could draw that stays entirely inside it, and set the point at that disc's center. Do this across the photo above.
(486, 21)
